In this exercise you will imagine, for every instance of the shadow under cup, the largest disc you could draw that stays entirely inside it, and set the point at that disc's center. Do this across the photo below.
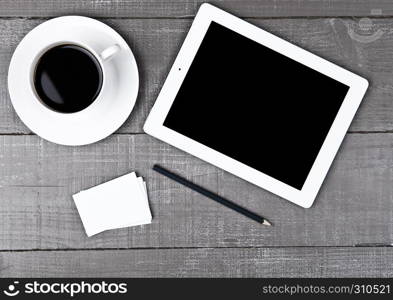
(68, 78)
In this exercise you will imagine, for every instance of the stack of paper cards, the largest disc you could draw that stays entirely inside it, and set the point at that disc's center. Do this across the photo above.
(118, 203)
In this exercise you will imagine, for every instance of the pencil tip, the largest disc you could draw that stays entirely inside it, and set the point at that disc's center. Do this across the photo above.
(266, 222)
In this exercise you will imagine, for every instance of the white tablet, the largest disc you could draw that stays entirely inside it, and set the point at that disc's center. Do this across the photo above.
(255, 105)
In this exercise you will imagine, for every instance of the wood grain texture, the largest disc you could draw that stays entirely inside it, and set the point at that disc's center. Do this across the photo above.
(192, 236)
(156, 43)
(37, 179)
(187, 8)
(224, 262)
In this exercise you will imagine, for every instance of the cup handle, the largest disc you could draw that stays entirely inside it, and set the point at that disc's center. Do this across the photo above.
(109, 52)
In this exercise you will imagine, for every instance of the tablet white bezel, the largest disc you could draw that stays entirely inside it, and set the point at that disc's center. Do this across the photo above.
(357, 88)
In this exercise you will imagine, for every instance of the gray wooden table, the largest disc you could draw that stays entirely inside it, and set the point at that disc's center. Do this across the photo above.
(346, 233)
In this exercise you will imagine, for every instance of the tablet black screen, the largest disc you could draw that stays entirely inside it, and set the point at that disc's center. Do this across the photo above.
(256, 105)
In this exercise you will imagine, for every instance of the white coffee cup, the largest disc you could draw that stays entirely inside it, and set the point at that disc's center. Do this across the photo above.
(89, 54)
(117, 96)
(102, 51)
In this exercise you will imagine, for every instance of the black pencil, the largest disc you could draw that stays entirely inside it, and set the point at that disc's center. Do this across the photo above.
(211, 195)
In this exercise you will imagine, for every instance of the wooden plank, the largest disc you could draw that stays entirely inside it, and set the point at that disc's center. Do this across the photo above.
(219, 262)
(187, 8)
(156, 42)
(37, 179)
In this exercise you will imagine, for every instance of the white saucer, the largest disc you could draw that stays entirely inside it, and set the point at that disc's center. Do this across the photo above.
(107, 113)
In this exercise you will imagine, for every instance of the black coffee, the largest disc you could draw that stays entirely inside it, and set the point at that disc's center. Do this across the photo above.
(68, 78)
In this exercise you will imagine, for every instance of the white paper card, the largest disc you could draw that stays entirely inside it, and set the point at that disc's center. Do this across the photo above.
(118, 203)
